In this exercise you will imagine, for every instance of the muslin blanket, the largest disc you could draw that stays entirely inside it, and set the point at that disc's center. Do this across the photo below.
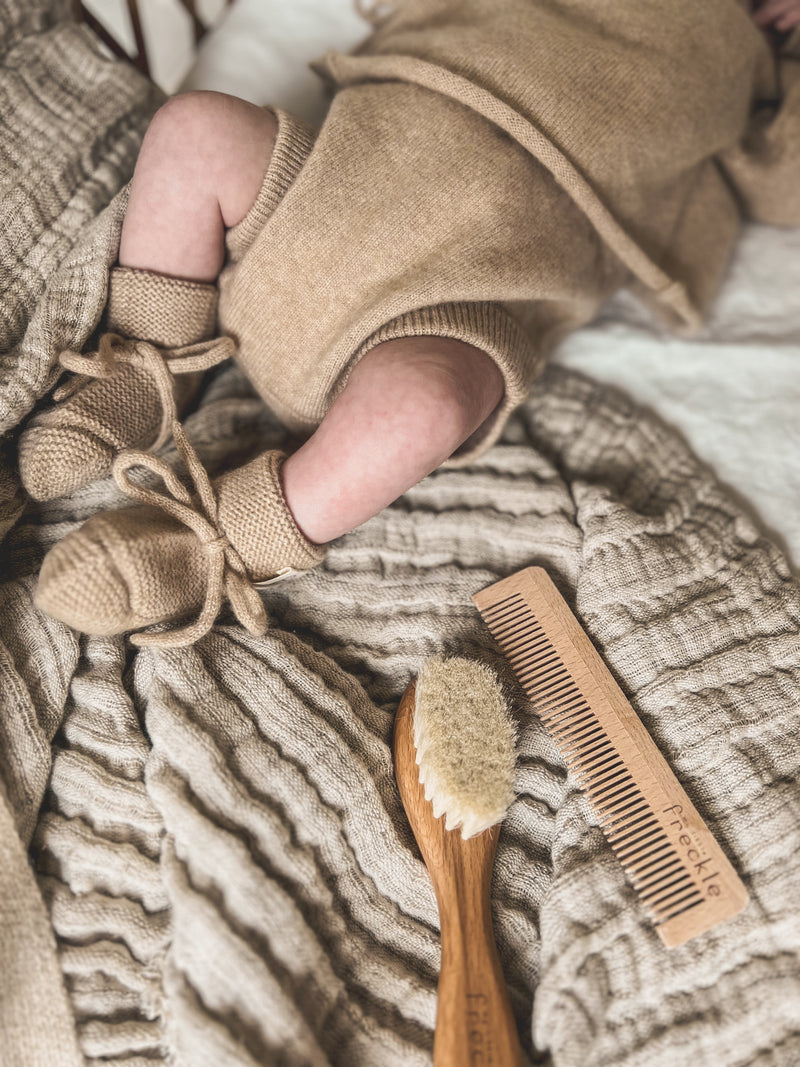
(203, 856)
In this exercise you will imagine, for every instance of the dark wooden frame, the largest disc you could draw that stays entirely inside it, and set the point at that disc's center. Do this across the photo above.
(140, 60)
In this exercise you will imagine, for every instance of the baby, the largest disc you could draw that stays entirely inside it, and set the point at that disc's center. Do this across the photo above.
(487, 176)
(777, 16)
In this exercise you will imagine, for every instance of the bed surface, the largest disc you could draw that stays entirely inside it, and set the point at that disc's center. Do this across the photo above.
(203, 856)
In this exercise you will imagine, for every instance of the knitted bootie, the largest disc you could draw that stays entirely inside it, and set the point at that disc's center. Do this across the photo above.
(127, 569)
(121, 396)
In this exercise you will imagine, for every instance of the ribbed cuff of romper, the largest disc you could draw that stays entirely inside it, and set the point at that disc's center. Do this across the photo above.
(487, 326)
(293, 143)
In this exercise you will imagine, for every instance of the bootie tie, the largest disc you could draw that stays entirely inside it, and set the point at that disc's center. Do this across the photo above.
(119, 397)
(177, 555)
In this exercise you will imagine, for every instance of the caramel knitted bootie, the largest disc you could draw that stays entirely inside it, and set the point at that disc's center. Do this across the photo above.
(177, 556)
(122, 396)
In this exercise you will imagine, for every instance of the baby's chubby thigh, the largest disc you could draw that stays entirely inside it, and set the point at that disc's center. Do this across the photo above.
(200, 167)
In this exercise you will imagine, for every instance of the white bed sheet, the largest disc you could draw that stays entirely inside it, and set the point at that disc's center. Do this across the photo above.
(733, 391)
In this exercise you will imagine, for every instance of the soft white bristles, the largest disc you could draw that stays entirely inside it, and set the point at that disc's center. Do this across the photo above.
(465, 739)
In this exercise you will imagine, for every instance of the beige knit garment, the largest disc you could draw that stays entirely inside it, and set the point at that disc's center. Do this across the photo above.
(491, 172)
(74, 442)
(219, 845)
(282, 263)
(254, 516)
(155, 307)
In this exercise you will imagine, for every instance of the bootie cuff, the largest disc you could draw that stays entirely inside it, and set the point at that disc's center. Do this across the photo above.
(256, 519)
(170, 312)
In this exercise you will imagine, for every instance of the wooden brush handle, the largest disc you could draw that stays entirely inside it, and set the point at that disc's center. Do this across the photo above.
(474, 1022)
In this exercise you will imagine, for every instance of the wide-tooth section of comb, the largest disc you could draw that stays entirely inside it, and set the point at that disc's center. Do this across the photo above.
(682, 877)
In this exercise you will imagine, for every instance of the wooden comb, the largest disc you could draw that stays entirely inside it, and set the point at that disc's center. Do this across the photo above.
(682, 876)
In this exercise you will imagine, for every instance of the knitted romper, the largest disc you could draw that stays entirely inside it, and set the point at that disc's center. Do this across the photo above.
(492, 173)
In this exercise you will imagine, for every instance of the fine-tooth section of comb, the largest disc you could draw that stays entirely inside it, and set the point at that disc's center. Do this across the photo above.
(680, 873)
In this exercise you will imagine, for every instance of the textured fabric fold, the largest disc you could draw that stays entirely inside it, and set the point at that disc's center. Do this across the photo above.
(215, 831)
(35, 1017)
(68, 146)
(293, 915)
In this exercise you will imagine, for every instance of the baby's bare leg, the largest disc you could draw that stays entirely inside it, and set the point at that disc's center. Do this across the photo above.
(407, 406)
(200, 168)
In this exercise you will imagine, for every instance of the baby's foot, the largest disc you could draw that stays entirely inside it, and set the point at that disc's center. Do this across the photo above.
(123, 570)
(123, 396)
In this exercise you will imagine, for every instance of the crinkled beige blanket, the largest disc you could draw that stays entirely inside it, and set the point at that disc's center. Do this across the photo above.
(220, 868)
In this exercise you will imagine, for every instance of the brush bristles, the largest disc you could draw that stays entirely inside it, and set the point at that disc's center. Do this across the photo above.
(465, 739)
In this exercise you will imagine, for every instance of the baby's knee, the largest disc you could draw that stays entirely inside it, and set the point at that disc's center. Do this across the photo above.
(211, 142)
(445, 388)
(182, 124)
(203, 119)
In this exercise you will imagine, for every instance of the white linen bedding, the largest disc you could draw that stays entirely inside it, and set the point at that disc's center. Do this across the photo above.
(733, 391)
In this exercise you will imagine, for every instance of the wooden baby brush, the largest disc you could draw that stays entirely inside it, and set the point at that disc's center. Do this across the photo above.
(454, 754)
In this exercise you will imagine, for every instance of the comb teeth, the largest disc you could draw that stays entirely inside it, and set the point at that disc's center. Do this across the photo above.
(653, 865)
(666, 850)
